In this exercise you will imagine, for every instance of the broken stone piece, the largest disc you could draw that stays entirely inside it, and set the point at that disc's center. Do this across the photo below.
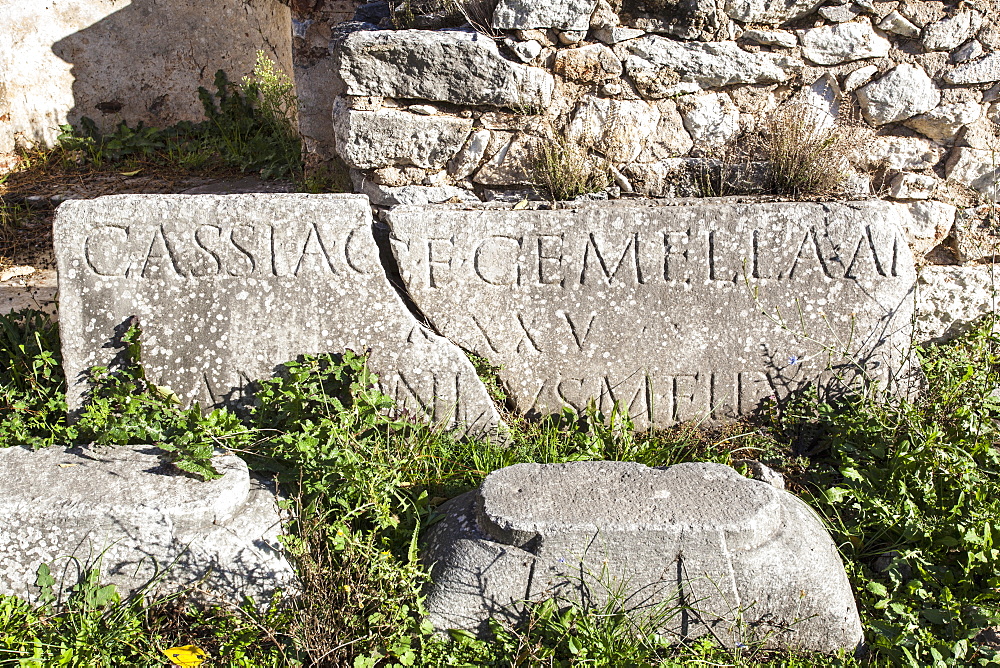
(228, 287)
(123, 508)
(901, 93)
(844, 42)
(559, 14)
(741, 559)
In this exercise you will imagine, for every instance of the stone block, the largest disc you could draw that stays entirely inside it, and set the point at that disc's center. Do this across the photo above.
(227, 288)
(442, 66)
(902, 93)
(981, 70)
(729, 556)
(841, 43)
(123, 507)
(676, 313)
(772, 12)
(950, 300)
(527, 14)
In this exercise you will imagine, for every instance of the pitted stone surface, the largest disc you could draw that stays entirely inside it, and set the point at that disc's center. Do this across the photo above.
(443, 66)
(560, 14)
(674, 312)
(227, 288)
(124, 505)
(752, 561)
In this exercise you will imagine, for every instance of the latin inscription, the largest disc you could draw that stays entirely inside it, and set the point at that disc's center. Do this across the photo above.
(235, 250)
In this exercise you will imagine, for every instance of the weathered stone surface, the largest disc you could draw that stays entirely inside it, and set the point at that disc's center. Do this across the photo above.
(769, 11)
(951, 299)
(444, 66)
(841, 43)
(908, 185)
(895, 22)
(594, 62)
(943, 122)
(513, 164)
(756, 559)
(902, 93)
(711, 120)
(670, 139)
(617, 34)
(840, 13)
(373, 139)
(982, 70)
(661, 307)
(616, 128)
(228, 287)
(414, 194)
(686, 19)
(927, 224)
(859, 77)
(975, 168)
(952, 32)
(560, 14)
(902, 153)
(122, 505)
(468, 159)
(967, 52)
(782, 38)
(652, 62)
(977, 238)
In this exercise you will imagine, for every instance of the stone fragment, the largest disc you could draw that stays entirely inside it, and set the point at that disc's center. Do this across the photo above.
(950, 300)
(227, 288)
(525, 51)
(570, 37)
(393, 196)
(902, 93)
(976, 168)
(618, 34)
(392, 176)
(373, 139)
(655, 63)
(690, 532)
(897, 153)
(943, 122)
(513, 164)
(840, 13)
(981, 70)
(616, 128)
(660, 307)
(832, 45)
(967, 52)
(468, 159)
(772, 12)
(976, 234)
(907, 185)
(711, 120)
(685, 19)
(926, 224)
(442, 66)
(895, 22)
(364, 102)
(782, 38)
(822, 99)
(604, 16)
(423, 109)
(594, 62)
(950, 33)
(125, 510)
(559, 14)
(670, 139)
(858, 78)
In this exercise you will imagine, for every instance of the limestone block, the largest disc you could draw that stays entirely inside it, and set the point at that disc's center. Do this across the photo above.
(952, 32)
(976, 168)
(670, 139)
(951, 299)
(895, 22)
(374, 139)
(414, 194)
(927, 224)
(652, 59)
(616, 128)
(981, 70)
(711, 120)
(844, 42)
(617, 34)
(526, 51)
(902, 93)
(559, 14)
(686, 19)
(442, 66)
(124, 506)
(977, 236)
(908, 185)
(840, 13)
(943, 122)
(227, 288)
(859, 77)
(662, 308)
(782, 38)
(969, 51)
(769, 11)
(594, 62)
(753, 560)
(513, 164)
(897, 153)
(468, 159)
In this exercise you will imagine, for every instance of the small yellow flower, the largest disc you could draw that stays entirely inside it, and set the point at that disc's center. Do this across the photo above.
(188, 656)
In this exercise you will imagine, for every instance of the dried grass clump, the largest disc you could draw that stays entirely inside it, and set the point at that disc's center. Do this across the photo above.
(479, 14)
(567, 170)
(809, 156)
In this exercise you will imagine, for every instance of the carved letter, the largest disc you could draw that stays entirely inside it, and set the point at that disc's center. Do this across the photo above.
(438, 260)
(631, 248)
(498, 263)
(208, 263)
(579, 333)
(550, 256)
(106, 251)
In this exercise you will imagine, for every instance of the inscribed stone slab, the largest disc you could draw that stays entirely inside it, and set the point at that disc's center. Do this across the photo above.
(229, 287)
(676, 312)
